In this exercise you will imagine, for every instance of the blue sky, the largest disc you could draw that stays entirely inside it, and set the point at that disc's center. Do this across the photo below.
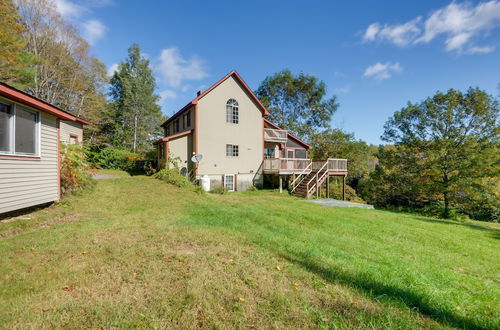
(374, 55)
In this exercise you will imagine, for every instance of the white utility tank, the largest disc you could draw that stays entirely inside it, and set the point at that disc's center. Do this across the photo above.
(205, 182)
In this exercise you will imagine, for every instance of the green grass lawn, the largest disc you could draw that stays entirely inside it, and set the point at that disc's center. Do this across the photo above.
(137, 252)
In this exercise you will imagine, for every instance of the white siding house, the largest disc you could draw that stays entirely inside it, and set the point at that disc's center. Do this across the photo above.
(30, 131)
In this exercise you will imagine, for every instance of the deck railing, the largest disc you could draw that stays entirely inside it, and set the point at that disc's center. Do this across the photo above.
(286, 165)
(299, 165)
(275, 135)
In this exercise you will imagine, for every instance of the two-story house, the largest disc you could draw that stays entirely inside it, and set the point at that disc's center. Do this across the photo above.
(226, 124)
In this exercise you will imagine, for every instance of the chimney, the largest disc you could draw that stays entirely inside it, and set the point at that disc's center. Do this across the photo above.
(199, 93)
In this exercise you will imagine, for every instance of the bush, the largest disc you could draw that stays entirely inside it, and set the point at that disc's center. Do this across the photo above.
(116, 159)
(173, 177)
(76, 172)
(199, 190)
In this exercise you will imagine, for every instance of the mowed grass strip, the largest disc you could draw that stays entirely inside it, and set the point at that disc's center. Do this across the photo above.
(136, 252)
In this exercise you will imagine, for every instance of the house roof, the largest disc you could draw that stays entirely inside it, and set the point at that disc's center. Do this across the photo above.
(233, 74)
(17, 95)
(172, 137)
(296, 139)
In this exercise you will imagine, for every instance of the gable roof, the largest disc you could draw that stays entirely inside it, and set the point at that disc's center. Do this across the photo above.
(17, 95)
(296, 139)
(233, 74)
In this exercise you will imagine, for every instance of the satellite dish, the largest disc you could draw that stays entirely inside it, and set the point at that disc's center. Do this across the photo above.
(197, 158)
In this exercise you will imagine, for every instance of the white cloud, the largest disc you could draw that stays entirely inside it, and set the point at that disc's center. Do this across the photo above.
(342, 90)
(112, 69)
(381, 71)
(69, 9)
(167, 94)
(460, 24)
(77, 14)
(480, 50)
(174, 69)
(93, 30)
(401, 35)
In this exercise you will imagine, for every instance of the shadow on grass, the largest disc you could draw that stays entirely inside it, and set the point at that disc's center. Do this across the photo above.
(375, 289)
(495, 233)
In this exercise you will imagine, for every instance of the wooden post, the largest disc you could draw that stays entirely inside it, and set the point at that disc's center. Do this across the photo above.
(317, 186)
(281, 183)
(343, 188)
(328, 186)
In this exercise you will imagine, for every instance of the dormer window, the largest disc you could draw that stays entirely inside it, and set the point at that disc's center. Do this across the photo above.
(232, 113)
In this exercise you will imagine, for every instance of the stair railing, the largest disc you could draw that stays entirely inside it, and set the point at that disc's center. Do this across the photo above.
(310, 190)
(303, 172)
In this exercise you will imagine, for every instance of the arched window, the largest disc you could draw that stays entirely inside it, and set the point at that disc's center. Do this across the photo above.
(232, 114)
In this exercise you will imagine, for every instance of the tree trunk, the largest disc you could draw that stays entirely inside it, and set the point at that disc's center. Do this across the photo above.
(135, 133)
(446, 213)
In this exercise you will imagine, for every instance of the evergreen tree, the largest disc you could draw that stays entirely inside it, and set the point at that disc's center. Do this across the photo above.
(135, 112)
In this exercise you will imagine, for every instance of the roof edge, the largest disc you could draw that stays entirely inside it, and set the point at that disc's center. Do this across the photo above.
(290, 135)
(17, 95)
(264, 110)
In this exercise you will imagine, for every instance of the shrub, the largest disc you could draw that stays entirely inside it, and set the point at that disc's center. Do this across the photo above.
(218, 190)
(199, 190)
(117, 159)
(173, 177)
(76, 172)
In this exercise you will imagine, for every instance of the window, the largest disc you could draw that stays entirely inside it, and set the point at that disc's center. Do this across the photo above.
(19, 131)
(73, 139)
(269, 153)
(176, 126)
(290, 153)
(188, 119)
(300, 153)
(167, 130)
(229, 182)
(232, 150)
(232, 114)
(5, 130)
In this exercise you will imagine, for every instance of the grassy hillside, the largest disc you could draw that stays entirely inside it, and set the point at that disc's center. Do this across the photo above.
(137, 252)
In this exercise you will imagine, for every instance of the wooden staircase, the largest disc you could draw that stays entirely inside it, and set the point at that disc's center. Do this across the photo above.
(311, 183)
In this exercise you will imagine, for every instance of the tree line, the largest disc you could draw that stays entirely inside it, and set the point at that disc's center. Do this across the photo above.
(441, 155)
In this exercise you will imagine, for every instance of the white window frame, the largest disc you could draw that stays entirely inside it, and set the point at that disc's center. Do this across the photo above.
(232, 106)
(233, 183)
(12, 137)
(232, 146)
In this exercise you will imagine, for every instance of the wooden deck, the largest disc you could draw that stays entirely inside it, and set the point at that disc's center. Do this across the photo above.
(289, 166)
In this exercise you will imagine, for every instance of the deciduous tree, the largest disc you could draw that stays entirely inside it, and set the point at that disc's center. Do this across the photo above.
(297, 103)
(450, 142)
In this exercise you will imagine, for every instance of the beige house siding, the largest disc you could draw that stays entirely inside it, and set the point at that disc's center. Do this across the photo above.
(71, 128)
(183, 127)
(214, 133)
(182, 147)
(28, 182)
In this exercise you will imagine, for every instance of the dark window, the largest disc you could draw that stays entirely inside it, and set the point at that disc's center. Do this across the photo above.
(300, 153)
(26, 131)
(232, 150)
(232, 112)
(188, 119)
(176, 126)
(167, 130)
(5, 127)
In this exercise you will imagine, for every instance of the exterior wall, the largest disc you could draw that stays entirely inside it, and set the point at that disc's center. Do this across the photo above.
(182, 147)
(27, 182)
(243, 181)
(182, 127)
(71, 128)
(214, 133)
